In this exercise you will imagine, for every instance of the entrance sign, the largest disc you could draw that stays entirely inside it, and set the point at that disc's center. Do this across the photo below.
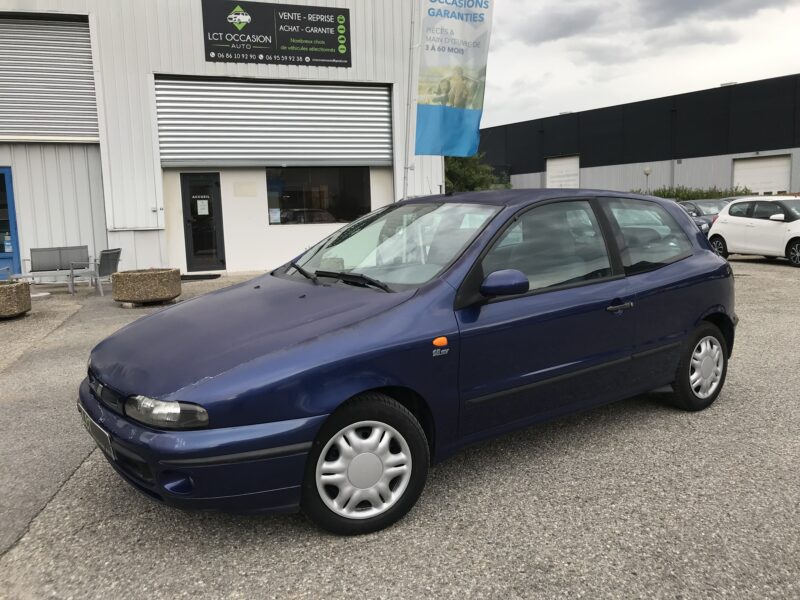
(452, 75)
(284, 34)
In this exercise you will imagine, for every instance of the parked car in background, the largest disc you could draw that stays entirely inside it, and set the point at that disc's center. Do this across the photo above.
(763, 225)
(703, 223)
(334, 381)
(705, 211)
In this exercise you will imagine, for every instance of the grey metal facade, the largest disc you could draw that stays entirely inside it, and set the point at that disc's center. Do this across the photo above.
(245, 123)
(702, 172)
(59, 191)
(47, 89)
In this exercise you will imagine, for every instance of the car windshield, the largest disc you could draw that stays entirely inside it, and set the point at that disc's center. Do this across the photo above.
(401, 246)
(711, 207)
(794, 207)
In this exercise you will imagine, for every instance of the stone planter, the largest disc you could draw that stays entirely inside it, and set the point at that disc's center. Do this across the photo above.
(15, 298)
(147, 286)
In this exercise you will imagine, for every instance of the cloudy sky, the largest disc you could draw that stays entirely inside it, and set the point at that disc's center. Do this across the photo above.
(553, 56)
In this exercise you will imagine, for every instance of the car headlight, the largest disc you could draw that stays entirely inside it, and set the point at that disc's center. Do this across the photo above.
(166, 414)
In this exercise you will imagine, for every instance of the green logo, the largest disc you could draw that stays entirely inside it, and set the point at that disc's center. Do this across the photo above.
(340, 19)
(239, 18)
(342, 39)
(342, 49)
(341, 29)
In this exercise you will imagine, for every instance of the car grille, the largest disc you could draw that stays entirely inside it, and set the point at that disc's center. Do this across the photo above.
(106, 395)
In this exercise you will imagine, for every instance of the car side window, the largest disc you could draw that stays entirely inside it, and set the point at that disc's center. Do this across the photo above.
(739, 210)
(649, 236)
(764, 210)
(553, 245)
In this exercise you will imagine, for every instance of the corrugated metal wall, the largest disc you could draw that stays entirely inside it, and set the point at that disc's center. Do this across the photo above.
(704, 172)
(223, 122)
(58, 193)
(47, 88)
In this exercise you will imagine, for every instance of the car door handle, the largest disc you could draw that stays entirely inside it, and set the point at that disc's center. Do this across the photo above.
(619, 307)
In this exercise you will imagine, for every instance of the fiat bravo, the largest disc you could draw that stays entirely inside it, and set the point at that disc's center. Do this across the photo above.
(333, 382)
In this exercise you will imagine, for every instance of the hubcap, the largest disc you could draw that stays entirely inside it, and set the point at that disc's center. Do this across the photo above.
(363, 470)
(717, 245)
(794, 254)
(705, 369)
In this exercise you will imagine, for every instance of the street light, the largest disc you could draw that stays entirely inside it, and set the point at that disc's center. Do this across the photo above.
(647, 171)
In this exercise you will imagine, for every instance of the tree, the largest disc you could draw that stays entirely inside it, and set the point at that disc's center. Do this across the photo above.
(470, 174)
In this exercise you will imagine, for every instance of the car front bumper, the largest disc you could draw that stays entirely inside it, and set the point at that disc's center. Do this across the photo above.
(253, 468)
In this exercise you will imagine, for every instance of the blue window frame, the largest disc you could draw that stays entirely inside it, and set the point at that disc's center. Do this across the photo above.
(9, 241)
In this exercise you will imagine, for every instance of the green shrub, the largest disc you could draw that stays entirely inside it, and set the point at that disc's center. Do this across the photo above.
(686, 193)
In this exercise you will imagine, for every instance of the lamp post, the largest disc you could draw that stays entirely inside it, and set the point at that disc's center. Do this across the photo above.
(647, 171)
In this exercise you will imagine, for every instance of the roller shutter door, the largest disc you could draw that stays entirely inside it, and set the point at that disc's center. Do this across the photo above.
(564, 172)
(216, 123)
(764, 175)
(47, 88)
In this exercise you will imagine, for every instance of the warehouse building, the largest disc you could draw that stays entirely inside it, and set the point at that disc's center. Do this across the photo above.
(745, 135)
(209, 135)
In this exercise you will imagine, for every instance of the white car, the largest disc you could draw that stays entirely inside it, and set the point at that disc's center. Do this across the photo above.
(242, 17)
(763, 225)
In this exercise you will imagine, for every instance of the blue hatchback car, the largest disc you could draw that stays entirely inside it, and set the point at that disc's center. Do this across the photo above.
(333, 382)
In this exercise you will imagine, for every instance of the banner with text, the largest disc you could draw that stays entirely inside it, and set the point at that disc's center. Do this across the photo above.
(452, 75)
(282, 34)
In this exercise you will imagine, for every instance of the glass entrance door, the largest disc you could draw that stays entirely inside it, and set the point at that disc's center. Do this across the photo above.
(9, 247)
(202, 215)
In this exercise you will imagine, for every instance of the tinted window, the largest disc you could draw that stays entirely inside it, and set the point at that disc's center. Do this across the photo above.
(764, 210)
(739, 210)
(711, 207)
(650, 237)
(556, 244)
(794, 207)
(298, 195)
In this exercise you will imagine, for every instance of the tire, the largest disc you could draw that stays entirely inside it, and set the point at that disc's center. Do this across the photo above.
(793, 253)
(719, 246)
(699, 360)
(348, 459)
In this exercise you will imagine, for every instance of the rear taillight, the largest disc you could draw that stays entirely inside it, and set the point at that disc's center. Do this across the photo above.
(714, 219)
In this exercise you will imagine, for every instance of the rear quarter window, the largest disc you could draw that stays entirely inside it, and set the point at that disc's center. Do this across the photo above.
(739, 210)
(649, 237)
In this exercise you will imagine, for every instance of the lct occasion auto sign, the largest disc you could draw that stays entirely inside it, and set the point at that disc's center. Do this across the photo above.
(255, 32)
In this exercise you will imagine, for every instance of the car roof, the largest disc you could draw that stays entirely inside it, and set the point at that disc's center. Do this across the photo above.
(764, 198)
(523, 197)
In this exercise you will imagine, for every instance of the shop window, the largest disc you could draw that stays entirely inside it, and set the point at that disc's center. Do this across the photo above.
(302, 195)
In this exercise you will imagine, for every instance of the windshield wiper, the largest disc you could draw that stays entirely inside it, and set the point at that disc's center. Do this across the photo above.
(356, 278)
(302, 271)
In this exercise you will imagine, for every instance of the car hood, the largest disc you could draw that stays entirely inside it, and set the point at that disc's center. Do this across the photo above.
(204, 337)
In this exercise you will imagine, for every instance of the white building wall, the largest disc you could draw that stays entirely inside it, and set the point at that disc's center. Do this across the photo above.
(58, 195)
(134, 39)
(703, 172)
(251, 243)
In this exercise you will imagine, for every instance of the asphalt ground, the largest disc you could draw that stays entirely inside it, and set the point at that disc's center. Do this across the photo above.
(633, 500)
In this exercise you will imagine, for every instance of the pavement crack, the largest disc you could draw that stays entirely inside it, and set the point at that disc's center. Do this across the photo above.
(25, 531)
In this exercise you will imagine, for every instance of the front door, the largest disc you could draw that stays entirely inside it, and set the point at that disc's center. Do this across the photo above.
(564, 345)
(9, 247)
(202, 214)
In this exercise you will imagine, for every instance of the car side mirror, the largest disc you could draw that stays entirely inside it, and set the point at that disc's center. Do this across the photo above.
(779, 217)
(505, 283)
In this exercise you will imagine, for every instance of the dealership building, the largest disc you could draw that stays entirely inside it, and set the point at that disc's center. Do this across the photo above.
(208, 135)
(745, 135)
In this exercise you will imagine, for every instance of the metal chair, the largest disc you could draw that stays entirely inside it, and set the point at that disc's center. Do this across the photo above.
(104, 267)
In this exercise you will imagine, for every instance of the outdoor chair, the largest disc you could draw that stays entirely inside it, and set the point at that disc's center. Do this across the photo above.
(103, 268)
(56, 262)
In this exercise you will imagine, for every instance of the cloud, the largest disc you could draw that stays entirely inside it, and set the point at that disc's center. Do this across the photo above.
(557, 22)
(659, 13)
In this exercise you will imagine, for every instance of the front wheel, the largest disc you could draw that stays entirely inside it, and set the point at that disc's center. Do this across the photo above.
(719, 246)
(702, 369)
(793, 253)
(366, 468)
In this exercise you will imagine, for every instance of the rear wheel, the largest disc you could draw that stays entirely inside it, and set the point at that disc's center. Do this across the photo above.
(793, 253)
(366, 468)
(702, 369)
(719, 246)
